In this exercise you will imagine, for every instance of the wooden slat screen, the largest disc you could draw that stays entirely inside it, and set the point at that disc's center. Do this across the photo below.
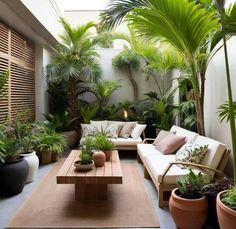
(17, 55)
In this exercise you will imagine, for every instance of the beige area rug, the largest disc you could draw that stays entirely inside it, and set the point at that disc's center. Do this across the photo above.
(53, 206)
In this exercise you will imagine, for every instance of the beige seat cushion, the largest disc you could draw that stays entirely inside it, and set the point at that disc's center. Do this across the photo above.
(158, 165)
(145, 150)
(191, 136)
(126, 141)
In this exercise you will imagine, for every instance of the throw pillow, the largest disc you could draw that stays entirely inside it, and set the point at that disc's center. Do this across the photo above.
(170, 143)
(100, 125)
(137, 131)
(127, 129)
(161, 135)
(113, 130)
(88, 130)
(192, 153)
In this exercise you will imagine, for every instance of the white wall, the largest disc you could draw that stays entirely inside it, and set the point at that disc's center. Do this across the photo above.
(47, 13)
(216, 94)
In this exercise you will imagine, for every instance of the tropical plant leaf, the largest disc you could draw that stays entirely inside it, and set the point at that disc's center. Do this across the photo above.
(224, 111)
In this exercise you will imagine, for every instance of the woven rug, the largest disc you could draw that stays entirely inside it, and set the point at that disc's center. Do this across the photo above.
(53, 205)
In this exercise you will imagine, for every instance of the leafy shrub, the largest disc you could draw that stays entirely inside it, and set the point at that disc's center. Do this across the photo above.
(101, 142)
(229, 198)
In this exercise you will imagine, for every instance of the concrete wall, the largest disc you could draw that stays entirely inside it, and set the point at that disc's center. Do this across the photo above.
(216, 94)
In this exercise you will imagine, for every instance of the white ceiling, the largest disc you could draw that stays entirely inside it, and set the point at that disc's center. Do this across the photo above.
(81, 4)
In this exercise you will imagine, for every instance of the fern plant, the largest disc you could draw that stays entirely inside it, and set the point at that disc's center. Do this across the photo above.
(230, 198)
(101, 142)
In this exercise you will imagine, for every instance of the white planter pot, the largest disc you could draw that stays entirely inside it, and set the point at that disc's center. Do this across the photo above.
(33, 163)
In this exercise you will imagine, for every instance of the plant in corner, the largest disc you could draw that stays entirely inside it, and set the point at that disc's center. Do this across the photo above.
(187, 205)
(24, 132)
(101, 142)
(226, 213)
(13, 169)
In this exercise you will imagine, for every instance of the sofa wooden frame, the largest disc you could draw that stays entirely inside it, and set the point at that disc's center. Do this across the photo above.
(163, 189)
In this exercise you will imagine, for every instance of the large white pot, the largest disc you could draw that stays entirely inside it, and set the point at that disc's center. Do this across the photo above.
(33, 164)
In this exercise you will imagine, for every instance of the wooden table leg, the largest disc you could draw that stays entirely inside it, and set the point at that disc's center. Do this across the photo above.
(91, 191)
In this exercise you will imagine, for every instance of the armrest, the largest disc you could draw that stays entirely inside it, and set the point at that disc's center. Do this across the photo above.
(145, 140)
(191, 164)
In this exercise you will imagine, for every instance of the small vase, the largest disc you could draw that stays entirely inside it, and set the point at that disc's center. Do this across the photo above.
(108, 154)
(226, 216)
(33, 164)
(99, 158)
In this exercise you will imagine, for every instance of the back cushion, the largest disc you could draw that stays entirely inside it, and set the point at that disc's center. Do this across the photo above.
(100, 125)
(191, 136)
(170, 143)
(215, 151)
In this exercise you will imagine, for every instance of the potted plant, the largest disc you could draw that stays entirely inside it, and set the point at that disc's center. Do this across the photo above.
(210, 191)
(24, 132)
(187, 205)
(226, 208)
(104, 144)
(49, 145)
(13, 169)
(85, 163)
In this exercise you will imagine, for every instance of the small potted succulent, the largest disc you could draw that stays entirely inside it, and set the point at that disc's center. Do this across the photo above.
(49, 145)
(85, 163)
(226, 208)
(104, 144)
(13, 169)
(187, 205)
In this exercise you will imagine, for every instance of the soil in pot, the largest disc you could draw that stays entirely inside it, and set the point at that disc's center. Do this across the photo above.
(188, 213)
(13, 177)
(226, 216)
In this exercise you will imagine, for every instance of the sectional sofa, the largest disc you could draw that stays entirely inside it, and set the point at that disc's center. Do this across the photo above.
(164, 169)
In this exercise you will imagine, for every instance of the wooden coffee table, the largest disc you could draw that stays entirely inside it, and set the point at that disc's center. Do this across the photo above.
(92, 184)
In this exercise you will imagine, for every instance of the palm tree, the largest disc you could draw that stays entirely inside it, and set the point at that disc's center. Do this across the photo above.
(191, 27)
(75, 60)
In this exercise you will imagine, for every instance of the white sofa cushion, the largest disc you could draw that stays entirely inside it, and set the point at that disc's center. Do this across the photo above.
(138, 130)
(100, 125)
(158, 165)
(126, 141)
(215, 151)
(145, 150)
(179, 131)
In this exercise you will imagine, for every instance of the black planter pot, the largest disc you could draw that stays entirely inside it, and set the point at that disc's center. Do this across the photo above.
(13, 177)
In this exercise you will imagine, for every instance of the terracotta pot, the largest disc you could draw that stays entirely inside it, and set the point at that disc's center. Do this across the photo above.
(54, 157)
(226, 216)
(108, 154)
(46, 157)
(188, 213)
(99, 158)
(71, 138)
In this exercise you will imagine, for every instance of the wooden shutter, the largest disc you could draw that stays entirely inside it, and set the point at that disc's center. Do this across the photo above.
(17, 55)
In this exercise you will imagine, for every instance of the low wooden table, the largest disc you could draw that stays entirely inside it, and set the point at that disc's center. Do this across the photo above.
(92, 184)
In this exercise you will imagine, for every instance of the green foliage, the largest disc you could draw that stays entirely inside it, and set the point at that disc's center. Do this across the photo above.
(52, 142)
(88, 144)
(3, 80)
(101, 142)
(60, 122)
(224, 111)
(9, 147)
(88, 112)
(23, 132)
(230, 198)
(190, 186)
(127, 57)
(85, 156)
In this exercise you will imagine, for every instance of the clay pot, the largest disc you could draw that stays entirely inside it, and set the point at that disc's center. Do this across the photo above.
(46, 157)
(54, 157)
(99, 158)
(226, 216)
(108, 154)
(188, 213)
